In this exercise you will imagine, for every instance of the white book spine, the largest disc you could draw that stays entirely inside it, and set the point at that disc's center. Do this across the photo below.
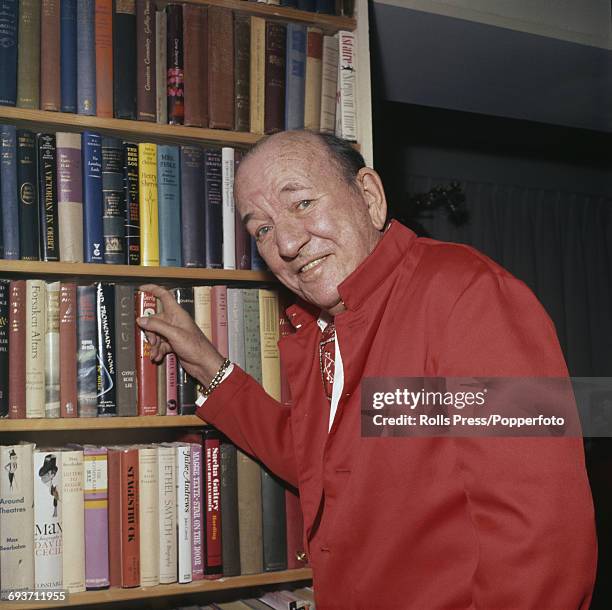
(47, 477)
(235, 326)
(161, 22)
(35, 347)
(183, 503)
(229, 214)
(167, 515)
(202, 309)
(52, 352)
(329, 84)
(73, 519)
(148, 469)
(346, 112)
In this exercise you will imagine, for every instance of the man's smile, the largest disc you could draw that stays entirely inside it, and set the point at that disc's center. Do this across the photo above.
(312, 264)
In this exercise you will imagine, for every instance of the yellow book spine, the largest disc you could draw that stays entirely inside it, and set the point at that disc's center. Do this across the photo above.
(269, 331)
(149, 228)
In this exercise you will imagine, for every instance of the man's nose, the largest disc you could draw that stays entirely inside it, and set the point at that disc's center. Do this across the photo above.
(291, 235)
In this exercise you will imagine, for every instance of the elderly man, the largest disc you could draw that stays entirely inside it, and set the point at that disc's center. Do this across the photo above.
(394, 523)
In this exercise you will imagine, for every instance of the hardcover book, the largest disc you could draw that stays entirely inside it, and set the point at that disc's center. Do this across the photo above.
(5, 288)
(329, 84)
(50, 86)
(73, 520)
(52, 351)
(17, 349)
(145, 61)
(27, 180)
(242, 47)
(93, 236)
(193, 218)
(230, 540)
(146, 370)
(249, 514)
(68, 55)
(47, 189)
(229, 211)
(257, 75)
(169, 205)
(8, 189)
(68, 349)
(125, 331)
(314, 57)
(214, 208)
(295, 76)
(197, 518)
(132, 203)
(104, 57)
(148, 208)
(106, 370)
(174, 59)
(196, 62)
(148, 469)
(183, 510)
(161, 66)
(87, 383)
(220, 68)
(186, 385)
(218, 309)
(86, 57)
(113, 201)
(276, 43)
(35, 348)
(346, 99)
(124, 59)
(28, 55)
(167, 514)
(213, 564)
(8, 52)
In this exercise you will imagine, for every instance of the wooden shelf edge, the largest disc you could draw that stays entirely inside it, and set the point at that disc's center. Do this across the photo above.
(201, 586)
(34, 268)
(99, 423)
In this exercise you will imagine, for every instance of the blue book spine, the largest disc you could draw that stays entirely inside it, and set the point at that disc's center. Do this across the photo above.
(295, 78)
(169, 206)
(68, 55)
(307, 5)
(324, 6)
(257, 263)
(8, 194)
(8, 52)
(86, 58)
(214, 209)
(93, 234)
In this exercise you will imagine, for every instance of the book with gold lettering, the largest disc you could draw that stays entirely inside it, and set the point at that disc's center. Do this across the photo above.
(149, 226)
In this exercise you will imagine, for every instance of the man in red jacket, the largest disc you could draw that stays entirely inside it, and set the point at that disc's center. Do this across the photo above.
(394, 523)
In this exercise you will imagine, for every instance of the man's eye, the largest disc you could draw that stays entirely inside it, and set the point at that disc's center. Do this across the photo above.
(262, 232)
(302, 205)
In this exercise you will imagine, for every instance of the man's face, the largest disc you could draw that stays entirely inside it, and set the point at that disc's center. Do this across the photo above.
(312, 228)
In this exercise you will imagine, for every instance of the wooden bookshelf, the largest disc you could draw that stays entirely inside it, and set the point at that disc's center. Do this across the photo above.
(106, 596)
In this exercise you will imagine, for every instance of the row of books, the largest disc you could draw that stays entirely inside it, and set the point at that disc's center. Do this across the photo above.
(89, 517)
(204, 66)
(89, 198)
(76, 351)
(297, 599)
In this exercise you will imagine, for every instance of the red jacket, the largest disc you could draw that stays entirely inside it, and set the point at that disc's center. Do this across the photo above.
(424, 523)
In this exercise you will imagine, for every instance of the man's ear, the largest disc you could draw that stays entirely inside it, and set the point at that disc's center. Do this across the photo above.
(373, 192)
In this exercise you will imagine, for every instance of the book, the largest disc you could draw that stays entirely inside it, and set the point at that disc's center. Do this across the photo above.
(148, 206)
(52, 351)
(229, 211)
(249, 514)
(5, 298)
(28, 55)
(329, 84)
(146, 372)
(186, 385)
(346, 99)
(29, 232)
(171, 385)
(104, 57)
(124, 59)
(218, 307)
(312, 85)
(17, 349)
(87, 382)
(35, 348)
(257, 75)
(235, 326)
(214, 208)
(114, 515)
(198, 530)
(8, 52)
(169, 205)
(125, 349)
(276, 43)
(145, 61)
(274, 528)
(193, 218)
(174, 59)
(48, 539)
(161, 66)
(196, 62)
(68, 55)
(148, 470)
(86, 57)
(220, 68)
(47, 192)
(73, 520)
(70, 197)
(93, 234)
(183, 511)
(8, 189)
(68, 349)
(242, 47)
(295, 76)
(106, 384)
(230, 540)
(113, 201)
(50, 84)
(252, 339)
(131, 190)
(167, 514)
(213, 563)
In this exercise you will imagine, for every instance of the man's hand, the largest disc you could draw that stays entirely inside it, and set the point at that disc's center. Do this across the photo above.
(173, 330)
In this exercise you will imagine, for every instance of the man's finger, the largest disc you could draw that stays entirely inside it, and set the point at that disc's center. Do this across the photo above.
(164, 295)
(155, 324)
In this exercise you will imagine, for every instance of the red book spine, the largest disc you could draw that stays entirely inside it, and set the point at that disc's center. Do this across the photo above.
(114, 516)
(213, 564)
(171, 387)
(17, 329)
(146, 305)
(130, 520)
(104, 58)
(68, 350)
(195, 61)
(50, 96)
(219, 319)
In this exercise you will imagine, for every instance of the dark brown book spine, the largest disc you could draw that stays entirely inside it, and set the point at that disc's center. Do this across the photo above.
(17, 332)
(221, 68)
(174, 58)
(242, 63)
(68, 350)
(130, 520)
(276, 42)
(195, 57)
(145, 61)
(114, 516)
(50, 92)
(104, 58)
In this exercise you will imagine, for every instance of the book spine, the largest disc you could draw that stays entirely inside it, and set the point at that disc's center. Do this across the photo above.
(276, 43)
(70, 197)
(47, 477)
(167, 514)
(161, 376)
(257, 76)
(221, 67)
(107, 349)
(230, 540)
(130, 518)
(186, 385)
(27, 179)
(329, 84)
(145, 61)
(249, 514)
(113, 201)
(197, 523)
(28, 55)
(5, 289)
(235, 326)
(114, 516)
(202, 309)
(214, 208)
(346, 110)
(73, 517)
(17, 352)
(52, 351)
(86, 352)
(295, 76)
(146, 370)
(104, 57)
(35, 348)
(68, 55)
(125, 331)
(47, 189)
(174, 59)
(148, 468)
(269, 335)
(132, 203)
(243, 244)
(171, 385)
(252, 340)
(183, 511)
(8, 188)
(218, 308)
(169, 206)
(8, 52)
(312, 86)
(124, 58)
(193, 218)
(95, 491)
(161, 66)
(17, 532)
(274, 527)
(93, 234)
(86, 58)
(242, 44)
(68, 350)
(50, 91)
(213, 567)
(229, 211)
(148, 206)
(195, 55)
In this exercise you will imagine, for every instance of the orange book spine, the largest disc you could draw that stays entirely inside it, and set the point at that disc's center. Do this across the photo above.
(104, 58)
